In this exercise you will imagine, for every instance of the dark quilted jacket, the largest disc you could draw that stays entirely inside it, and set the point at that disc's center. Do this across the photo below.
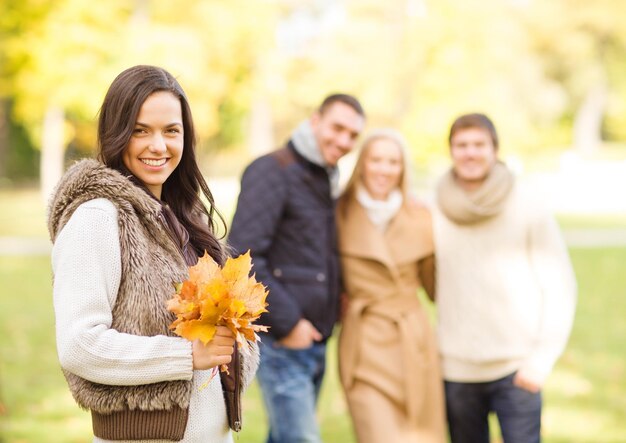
(286, 217)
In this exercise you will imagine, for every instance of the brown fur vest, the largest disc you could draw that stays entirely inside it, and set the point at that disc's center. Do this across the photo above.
(151, 264)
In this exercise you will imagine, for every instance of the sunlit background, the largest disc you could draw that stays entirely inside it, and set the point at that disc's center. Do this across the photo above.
(550, 73)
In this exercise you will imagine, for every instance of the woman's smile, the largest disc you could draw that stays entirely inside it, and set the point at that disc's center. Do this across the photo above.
(154, 162)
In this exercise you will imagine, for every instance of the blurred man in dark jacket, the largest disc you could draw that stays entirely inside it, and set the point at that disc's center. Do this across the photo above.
(285, 216)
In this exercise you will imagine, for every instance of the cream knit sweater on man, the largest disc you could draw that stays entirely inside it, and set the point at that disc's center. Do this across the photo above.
(506, 293)
(87, 270)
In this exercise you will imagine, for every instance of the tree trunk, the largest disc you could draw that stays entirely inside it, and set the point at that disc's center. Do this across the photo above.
(4, 137)
(588, 121)
(52, 150)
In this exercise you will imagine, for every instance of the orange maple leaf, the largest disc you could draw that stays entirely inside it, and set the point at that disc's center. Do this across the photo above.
(215, 296)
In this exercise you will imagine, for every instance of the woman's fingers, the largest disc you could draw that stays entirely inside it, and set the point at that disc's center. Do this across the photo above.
(220, 340)
(223, 331)
(223, 359)
(224, 350)
(217, 352)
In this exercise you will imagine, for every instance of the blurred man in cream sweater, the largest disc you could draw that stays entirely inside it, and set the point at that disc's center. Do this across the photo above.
(506, 291)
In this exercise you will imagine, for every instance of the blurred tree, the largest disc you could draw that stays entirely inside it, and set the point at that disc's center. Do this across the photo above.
(544, 70)
(58, 55)
(416, 64)
(15, 150)
(4, 136)
(581, 46)
(63, 57)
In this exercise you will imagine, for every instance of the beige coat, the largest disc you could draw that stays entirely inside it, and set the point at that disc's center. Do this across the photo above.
(389, 364)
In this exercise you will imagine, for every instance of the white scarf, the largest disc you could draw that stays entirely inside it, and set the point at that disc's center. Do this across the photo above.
(305, 143)
(380, 212)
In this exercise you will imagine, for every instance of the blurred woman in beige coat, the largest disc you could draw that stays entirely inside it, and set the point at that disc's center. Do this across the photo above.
(388, 358)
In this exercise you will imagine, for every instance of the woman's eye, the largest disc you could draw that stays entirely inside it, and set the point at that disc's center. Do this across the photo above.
(173, 131)
(139, 131)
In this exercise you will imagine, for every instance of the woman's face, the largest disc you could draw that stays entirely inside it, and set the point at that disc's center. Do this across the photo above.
(156, 146)
(382, 168)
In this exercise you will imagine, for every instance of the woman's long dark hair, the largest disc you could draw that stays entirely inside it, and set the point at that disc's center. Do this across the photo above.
(181, 191)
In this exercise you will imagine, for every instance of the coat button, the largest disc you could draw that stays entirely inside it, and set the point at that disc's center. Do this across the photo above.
(321, 277)
(278, 272)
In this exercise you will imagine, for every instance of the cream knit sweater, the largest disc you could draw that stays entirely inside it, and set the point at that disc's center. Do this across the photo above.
(87, 273)
(506, 293)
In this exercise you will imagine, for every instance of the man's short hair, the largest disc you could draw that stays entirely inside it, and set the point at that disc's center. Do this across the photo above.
(475, 120)
(342, 98)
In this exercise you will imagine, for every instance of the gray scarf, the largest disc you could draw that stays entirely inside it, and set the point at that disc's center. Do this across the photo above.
(466, 208)
(305, 143)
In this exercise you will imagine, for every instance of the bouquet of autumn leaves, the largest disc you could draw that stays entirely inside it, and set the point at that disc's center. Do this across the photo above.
(214, 296)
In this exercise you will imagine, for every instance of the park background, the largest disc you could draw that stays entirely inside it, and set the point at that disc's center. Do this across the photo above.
(551, 74)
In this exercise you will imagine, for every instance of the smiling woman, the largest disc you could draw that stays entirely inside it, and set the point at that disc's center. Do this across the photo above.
(125, 229)
(156, 146)
(386, 249)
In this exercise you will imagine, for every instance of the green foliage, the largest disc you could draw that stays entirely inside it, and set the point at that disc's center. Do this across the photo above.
(21, 158)
(579, 46)
(416, 72)
(416, 64)
(66, 53)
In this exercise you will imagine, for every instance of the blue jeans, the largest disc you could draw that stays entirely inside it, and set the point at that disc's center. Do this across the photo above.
(290, 381)
(469, 404)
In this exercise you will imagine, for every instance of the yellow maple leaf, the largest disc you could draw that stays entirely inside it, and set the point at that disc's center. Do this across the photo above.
(187, 290)
(215, 290)
(215, 296)
(202, 329)
(236, 269)
(254, 298)
(204, 270)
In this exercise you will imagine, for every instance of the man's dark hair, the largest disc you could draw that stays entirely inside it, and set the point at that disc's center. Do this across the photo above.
(475, 120)
(343, 98)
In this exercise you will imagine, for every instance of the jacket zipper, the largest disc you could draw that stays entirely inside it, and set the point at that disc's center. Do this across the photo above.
(238, 373)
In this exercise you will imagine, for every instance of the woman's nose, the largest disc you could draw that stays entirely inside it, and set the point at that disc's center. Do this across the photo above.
(157, 144)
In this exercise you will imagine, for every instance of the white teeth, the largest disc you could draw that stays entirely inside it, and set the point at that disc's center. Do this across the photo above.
(150, 162)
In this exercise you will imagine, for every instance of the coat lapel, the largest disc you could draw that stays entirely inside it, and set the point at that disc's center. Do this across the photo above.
(360, 238)
(408, 237)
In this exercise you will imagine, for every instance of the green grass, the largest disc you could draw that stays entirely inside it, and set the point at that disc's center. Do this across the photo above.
(585, 399)
(592, 221)
(22, 213)
(33, 390)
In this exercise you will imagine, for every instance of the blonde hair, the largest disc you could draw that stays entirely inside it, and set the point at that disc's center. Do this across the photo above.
(392, 135)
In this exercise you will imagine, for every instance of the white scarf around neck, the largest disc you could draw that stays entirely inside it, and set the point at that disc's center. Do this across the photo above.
(380, 212)
(305, 143)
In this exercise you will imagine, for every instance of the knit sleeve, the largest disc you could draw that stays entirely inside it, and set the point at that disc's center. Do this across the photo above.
(553, 270)
(86, 263)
